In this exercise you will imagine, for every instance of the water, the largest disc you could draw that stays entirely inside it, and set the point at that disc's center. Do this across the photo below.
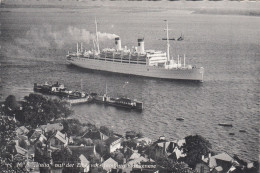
(35, 41)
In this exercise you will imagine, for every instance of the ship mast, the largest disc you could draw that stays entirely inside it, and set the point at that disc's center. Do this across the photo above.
(168, 43)
(97, 36)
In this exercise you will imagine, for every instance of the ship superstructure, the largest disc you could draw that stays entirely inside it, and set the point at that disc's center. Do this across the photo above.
(135, 61)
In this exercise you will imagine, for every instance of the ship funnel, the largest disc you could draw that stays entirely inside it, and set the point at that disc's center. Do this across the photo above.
(118, 43)
(140, 48)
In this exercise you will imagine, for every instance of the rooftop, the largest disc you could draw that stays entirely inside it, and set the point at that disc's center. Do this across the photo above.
(112, 139)
(87, 151)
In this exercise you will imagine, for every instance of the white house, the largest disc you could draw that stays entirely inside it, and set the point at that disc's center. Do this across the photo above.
(59, 140)
(113, 143)
(84, 163)
(109, 164)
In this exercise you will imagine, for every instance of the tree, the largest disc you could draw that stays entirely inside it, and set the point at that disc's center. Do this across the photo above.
(100, 147)
(130, 134)
(140, 135)
(11, 107)
(105, 130)
(23, 144)
(38, 110)
(62, 156)
(173, 167)
(72, 127)
(195, 147)
(84, 141)
(118, 156)
(7, 134)
(132, 143)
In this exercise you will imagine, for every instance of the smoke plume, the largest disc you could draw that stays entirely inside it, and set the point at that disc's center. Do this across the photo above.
(40, 41)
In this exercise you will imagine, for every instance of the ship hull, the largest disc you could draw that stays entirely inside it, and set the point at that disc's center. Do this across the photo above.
(195, 74)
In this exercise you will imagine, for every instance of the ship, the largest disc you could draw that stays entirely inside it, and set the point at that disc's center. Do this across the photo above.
(57, 89)
(123, 102)
(135, 61)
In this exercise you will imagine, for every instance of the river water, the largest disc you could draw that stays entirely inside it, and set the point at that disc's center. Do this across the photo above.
(34, 42)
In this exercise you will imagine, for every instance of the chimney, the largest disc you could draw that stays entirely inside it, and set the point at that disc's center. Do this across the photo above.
(118, 43)
(140, 48)
(164, 147)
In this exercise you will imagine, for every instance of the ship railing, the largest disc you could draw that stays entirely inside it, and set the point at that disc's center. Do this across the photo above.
(121, 60)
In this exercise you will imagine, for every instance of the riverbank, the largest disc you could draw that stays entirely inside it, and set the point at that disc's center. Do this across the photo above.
(63, 141)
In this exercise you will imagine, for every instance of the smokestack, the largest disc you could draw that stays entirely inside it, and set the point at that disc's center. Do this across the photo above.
(118, 43)
(77, 48)
(80, 47)
(140, 48)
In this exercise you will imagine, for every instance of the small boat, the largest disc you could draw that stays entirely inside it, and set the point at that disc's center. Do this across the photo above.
(79, 100)
(232, 134)
(55, 89)
(225, 124)
(77, 97)
(168, 39)
(118, 102)
(180, 38)
(180, 119)
(242, 131)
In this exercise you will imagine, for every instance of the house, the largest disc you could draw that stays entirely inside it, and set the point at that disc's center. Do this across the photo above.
(171, 149)
(20, 151)
(135, 163)
(19, 138)
(32, 167)
(202, 167)
(84, 163)
(134, 156)
(143, 141)
(51, 127)
(87, 151)
(34, 135)
(220, 163)
(113, 143)
(58, 140)
(94, 135)
(17, 152)
(109, 164)
(22, 130)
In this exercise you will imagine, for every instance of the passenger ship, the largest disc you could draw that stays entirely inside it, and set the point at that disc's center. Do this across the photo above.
(136, 61)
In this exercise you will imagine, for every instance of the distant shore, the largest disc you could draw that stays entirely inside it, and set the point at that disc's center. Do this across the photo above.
(247, 8)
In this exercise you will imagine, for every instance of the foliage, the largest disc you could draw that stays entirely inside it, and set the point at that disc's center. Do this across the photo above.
(84, 141)
(62, 156)
(195, 147)
(41, 156)
(72, 127)
(65, 156)
(38, 110)
(105, 130)
(132, 143)
(173, 167)
(100, 147)
(23, 144)
(118, 156)
(11, 106)
(7, 134)
(139, 135)
(130, 134)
